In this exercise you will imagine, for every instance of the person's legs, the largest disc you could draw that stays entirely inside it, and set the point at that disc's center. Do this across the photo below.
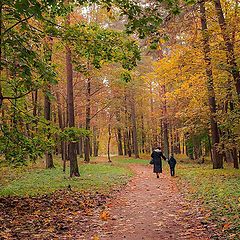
(157, 175)
(172, 171)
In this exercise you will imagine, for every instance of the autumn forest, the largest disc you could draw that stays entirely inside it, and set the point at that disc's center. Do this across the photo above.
(89, 89)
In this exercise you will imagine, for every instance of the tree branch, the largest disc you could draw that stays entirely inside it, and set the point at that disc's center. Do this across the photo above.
(14, 25)
(96, 91)
(19, 96)
(100, 110)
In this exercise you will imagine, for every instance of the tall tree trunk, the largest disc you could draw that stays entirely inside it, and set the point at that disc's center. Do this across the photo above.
(34, 102)
(177, 148)
(81, 147)
(232, 153)
(235, 158)
(109, 141)
(153, 123)
(119, 139)
(47, 115)
(61, 124)
(143, 134)
(88, 120)
(134, 127)
(127, 134)
(95, 141)
(71, 117)
(125, 143)
(196, 147)
(231, 58)
(165, 123)
(189, 149)
(65, 144)
(80, 144)
(119, 134)
(217, 160)
(47, 104)
(129, 145)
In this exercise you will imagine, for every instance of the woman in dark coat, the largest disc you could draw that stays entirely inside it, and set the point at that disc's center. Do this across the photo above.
(157, 156)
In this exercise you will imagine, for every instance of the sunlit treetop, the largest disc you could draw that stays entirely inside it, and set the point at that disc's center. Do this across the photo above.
(98, 46)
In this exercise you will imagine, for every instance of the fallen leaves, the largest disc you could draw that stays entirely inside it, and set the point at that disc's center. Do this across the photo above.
(63, 213)
(104, 215)
(95, 237)
(226, 226)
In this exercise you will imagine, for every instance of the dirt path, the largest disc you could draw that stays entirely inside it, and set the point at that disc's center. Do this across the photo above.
(151, 208)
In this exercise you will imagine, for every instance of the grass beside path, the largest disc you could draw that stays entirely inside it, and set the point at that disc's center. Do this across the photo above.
(96, 176)
(219, 192)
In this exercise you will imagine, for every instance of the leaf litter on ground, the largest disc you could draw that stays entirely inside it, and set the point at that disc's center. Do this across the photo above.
(63, 213)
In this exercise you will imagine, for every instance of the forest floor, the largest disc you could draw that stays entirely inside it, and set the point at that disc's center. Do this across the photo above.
(151, 208)
(143, 208)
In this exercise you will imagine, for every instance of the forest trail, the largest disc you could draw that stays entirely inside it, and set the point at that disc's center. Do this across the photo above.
(151, 208)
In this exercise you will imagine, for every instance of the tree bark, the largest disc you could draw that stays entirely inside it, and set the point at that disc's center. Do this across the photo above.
(231, 154)
(177, 142)
(119, 134)
(65, 144)
(165, 123)
(217, 160)
(87, 121)
(71, 117)
(235, 158)
(81, 147)
(109, 141)
(47, 103)
(129, 146)
(231, 58)
(81, 142)
(125, 143)
(47, 115)
(61, 125)
(127, 134)
(143, 134)
(153, 122)
(134, 127)
(95, 141)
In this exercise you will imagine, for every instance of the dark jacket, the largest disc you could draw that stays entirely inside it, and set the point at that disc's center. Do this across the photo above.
(172, 162)
(157, 156)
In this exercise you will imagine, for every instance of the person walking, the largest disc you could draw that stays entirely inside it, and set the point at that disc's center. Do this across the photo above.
(157, 156)
(172, 163)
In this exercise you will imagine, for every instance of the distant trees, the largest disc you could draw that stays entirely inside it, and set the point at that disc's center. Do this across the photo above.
(64, 71)
(188, 85)
(31, 40)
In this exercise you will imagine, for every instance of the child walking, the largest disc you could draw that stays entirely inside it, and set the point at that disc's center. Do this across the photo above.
(172, 163)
